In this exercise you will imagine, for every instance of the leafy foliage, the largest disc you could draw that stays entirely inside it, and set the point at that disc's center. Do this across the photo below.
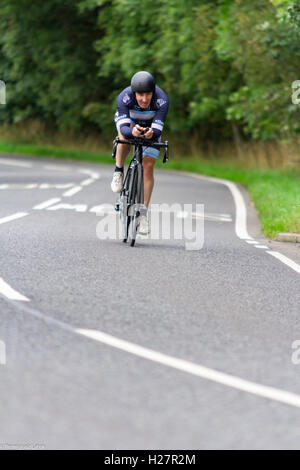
(223, 63)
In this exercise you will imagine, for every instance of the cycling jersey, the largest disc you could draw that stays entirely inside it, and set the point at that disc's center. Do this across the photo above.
(129, 112)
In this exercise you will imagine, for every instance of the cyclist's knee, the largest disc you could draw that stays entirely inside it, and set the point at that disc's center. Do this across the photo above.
(148, 165)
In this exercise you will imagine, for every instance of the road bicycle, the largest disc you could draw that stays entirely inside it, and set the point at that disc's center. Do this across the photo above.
(130, 203)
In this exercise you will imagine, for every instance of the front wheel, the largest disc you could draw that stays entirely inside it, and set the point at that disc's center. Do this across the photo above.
(132, 230)
(123, 214)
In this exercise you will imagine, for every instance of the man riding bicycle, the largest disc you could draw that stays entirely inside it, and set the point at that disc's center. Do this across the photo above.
(141, 109)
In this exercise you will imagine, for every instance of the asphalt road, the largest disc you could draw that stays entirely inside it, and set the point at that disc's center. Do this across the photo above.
(83, 320)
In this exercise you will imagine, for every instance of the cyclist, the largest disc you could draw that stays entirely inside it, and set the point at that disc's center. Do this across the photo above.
(140, 106)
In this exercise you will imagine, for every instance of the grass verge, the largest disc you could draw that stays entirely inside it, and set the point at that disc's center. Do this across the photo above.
(275, 193)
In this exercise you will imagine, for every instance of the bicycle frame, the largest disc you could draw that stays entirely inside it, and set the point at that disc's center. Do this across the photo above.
(131, 199)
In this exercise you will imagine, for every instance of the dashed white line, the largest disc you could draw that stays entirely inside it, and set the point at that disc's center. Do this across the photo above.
(10, 293)
(263, 247)
(92, 174)
(57, 167)
(72, 191)
(18, 215)
(87, 182)
(55, 186)
(76, 207)
(47, 203)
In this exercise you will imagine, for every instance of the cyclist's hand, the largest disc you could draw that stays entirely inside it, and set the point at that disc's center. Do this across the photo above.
(149, 134)
(136, 131)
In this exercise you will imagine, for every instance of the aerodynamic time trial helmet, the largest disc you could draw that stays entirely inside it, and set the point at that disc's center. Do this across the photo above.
(142, 82)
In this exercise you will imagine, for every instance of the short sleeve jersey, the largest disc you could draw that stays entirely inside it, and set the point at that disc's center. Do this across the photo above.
(129, 112)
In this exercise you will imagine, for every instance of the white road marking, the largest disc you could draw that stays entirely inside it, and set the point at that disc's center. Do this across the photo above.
(92, 174)
(275, 394)
(47, 203)
(241, 219)
(87, 182)
(18, 215)
(103, 209)
(251, 242)
(36, 185)
(11, 162)
(194, 369)
(264, 247)
(72, 191)
(57, 167)
(212, 217)
(55, 186)
(76, 207)
(106, 209)
(241, 211)
(284, 259)
(10, 293)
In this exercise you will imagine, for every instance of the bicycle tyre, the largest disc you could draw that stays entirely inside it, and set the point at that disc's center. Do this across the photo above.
(132, 219)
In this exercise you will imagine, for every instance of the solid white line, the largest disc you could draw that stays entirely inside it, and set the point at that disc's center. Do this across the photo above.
(10, 293)
(241, 219)
(18, 215)
(72, 191)
(285, 260)
(11, 162)
(231, 381)
(47, 203)
(194, 369)
(241, 211)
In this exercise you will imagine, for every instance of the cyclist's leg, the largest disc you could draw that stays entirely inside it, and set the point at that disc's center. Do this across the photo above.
(121, 154)
(122, 151)
(150, 155)
(148, 166)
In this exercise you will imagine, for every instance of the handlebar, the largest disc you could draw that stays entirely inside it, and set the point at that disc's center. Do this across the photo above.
(143, 142)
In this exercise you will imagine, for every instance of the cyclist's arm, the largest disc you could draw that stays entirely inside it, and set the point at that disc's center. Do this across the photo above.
(123, 120)
(160, 117)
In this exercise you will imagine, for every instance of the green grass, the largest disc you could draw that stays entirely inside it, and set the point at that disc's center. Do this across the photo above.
(276, 193)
